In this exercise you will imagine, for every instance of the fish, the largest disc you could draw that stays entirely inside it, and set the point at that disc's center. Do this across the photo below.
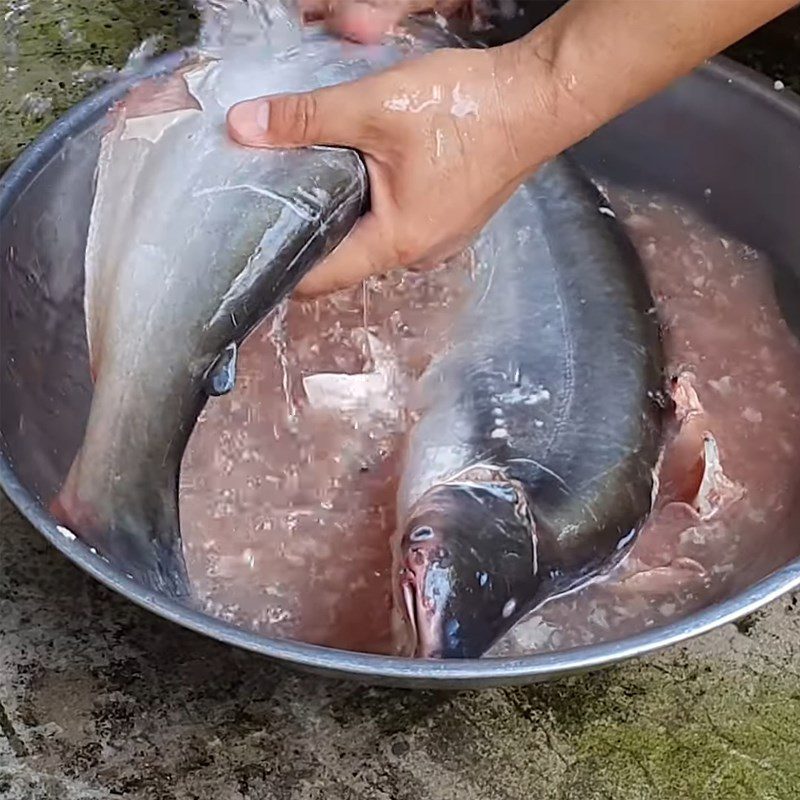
(193, 240)
(729, 467)
(530, 466)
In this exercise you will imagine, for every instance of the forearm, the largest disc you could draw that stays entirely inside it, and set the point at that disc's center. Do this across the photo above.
(594, 59)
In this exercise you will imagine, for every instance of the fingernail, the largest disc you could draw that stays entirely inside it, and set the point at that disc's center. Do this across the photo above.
(262, 115)
(248, 122)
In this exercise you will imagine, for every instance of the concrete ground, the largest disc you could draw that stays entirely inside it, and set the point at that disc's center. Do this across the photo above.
(99, 699)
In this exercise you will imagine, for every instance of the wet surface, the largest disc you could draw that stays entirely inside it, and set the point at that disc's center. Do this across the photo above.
(54, 52)
(289, 482)
(100, 699)
(288, 486)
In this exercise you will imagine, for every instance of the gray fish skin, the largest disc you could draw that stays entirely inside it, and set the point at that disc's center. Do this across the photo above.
(532, 463)
(154, 364)
(193, 240)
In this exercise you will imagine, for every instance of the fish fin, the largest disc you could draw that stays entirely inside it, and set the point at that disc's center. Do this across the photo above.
(221, 378)
(156, 562)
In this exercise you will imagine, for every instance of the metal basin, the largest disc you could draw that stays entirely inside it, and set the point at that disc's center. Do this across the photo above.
(723, 127)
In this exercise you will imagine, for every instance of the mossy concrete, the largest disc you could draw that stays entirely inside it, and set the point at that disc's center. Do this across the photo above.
(53, 52)
(99, 699)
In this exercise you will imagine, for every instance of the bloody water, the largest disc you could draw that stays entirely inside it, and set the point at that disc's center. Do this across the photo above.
(287, 490)
(737, 383)
(288, 484)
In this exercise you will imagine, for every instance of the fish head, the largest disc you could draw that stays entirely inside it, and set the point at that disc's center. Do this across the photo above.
(468, 567)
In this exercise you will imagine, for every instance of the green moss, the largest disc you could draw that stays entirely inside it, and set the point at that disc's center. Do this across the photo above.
(694, 735)
(55, 52)
(676, 728)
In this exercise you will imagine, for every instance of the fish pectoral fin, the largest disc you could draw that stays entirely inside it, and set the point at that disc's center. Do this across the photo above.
(221, 378)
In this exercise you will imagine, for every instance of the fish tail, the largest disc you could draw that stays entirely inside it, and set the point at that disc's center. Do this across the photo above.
(144, 542)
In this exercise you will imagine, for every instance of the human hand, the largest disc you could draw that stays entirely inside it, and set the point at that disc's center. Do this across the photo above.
(369, 20)
(440, 137)
(447, 137)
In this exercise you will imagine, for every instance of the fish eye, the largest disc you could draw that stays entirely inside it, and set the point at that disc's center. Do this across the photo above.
(421, 534)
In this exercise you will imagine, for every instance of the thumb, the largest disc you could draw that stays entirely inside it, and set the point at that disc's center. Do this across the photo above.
(365, 251)
(297, 120)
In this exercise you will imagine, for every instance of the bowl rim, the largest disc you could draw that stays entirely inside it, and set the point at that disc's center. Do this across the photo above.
(368, 667)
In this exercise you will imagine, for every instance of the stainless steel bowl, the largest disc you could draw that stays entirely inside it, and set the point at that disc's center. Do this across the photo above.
(723, 127)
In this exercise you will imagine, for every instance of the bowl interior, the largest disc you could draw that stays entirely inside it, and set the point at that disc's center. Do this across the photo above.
(721, 129)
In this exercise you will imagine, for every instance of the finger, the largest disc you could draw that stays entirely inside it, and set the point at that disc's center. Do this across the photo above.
(393, 10)
(365, 251)
(368, 21)
(315, 9)
(332, 116)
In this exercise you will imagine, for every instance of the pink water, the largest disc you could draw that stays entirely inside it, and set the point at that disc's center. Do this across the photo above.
(287, 491)
(738, 370)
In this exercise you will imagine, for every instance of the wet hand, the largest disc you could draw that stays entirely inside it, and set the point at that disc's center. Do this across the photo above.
(438, 137)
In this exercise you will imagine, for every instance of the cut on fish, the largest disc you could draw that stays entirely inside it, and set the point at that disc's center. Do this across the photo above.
(531, 466)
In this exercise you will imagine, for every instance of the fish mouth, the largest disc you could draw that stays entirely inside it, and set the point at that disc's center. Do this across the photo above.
(409, 594)
(469, 567)
(424, 619)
